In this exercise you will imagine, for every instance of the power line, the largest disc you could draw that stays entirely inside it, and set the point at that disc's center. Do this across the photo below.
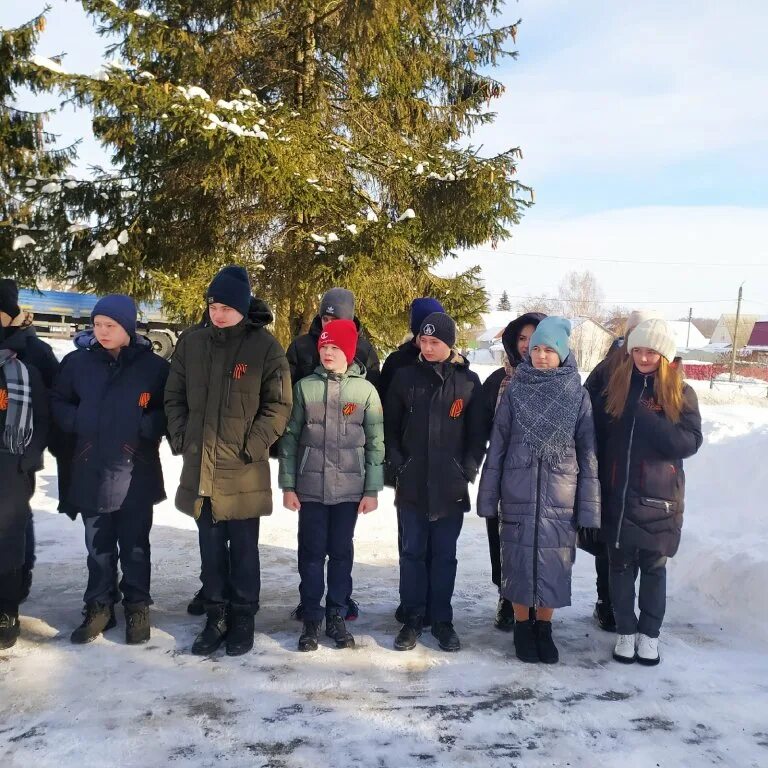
(763, 265)
(616, 301)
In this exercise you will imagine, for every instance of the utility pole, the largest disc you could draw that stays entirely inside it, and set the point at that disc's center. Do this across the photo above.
(735, 334)
(690, 317)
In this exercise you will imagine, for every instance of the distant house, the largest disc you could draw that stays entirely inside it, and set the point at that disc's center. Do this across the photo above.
(687, 336)
(724, 330)
(758, 339)
(493, 325)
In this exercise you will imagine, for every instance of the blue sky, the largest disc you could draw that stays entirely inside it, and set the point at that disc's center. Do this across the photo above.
(643, 127)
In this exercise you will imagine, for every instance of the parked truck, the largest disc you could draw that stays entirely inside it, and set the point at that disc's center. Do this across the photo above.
(63, 313)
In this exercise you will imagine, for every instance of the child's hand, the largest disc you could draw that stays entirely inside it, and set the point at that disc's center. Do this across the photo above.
(291, 501)
(367, 504)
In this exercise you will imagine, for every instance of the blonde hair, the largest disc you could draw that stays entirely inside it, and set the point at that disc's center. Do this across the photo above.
(667, 389)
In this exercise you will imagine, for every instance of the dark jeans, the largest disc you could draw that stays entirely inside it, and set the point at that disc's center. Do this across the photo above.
(652, 600)
(416, 577)
(29, 546)
(427, 560)
(122, 534)
(326, 530)
(229, 552)
(494, 549)
(602, 569)
(11, 591)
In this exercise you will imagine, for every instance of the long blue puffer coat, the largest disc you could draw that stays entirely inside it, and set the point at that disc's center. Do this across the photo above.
(539, 507)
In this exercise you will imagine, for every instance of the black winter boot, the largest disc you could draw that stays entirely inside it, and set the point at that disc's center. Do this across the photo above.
(409, 634)
(545, 645)
(336, 629)
(98, 618)
(196, 606)
(446, 636)
(9, 630)
(136, 623)
(603, 614)
(308, 638)
(525, 642)
(353, 610)
(400, 617)
(214, 632)
(505, 616)
(240, 636)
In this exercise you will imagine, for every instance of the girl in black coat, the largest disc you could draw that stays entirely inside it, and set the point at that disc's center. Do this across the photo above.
(652, 424)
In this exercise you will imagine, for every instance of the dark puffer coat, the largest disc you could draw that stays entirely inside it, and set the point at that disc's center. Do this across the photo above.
(435, 435)
(406, 354)
(24, 341)
(228, 399)
(641, 469)
(303, 356)
(539, 507)
(114, 409)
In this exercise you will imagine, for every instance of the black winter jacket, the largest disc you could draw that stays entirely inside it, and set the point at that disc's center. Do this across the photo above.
(641, 469)
(31, 350)
(303, 356)
(406, 354)
(435, 435)
(113, 408)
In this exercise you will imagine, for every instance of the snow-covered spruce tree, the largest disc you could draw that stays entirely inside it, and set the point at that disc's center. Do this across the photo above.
(504, 305)
(318, 143)
(33, 220)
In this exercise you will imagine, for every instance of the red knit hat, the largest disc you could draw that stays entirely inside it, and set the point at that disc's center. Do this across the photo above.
(342, 334)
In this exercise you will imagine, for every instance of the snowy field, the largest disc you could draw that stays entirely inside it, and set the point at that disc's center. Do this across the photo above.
(108, 704)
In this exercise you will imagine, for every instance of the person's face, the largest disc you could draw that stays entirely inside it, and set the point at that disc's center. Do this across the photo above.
(433, 350)
(223, 316)
(325, 319)
(524, 339)
(646, 360)
(110, 334)
(332, 358)
(544, 357)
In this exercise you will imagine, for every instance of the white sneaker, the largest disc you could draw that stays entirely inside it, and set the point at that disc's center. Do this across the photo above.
(648, 650)
(624, 650)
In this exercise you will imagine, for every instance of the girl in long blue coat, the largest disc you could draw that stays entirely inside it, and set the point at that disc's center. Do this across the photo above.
(108, 398)
(540, 481)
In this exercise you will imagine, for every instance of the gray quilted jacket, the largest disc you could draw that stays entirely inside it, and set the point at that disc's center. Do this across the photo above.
(539, 507)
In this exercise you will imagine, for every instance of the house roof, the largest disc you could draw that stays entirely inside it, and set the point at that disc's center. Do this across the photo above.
(679, 328)
(759, 335)
(746, 324)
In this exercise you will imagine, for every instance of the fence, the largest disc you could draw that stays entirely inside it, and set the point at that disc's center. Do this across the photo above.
(752, 377)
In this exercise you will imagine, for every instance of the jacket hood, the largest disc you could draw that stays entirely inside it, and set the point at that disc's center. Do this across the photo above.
(87, 340)
(511, 332)
(15, 337)
(259, 313)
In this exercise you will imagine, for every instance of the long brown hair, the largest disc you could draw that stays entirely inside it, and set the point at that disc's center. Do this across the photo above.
(667, 389)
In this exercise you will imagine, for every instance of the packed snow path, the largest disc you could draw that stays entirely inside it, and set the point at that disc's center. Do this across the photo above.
(108, 704)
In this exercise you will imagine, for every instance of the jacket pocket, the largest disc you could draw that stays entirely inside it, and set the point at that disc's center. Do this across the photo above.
(361, 460)
(304, 460)
(83, 452)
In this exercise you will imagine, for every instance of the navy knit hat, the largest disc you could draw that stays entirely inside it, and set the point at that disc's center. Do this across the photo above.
(231, 287)
(439, 326)
(121, 308)
(9, 297)
(553, 332)
(420, 308)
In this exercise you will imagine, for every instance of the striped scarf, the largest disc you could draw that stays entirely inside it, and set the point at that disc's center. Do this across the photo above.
(17, 434)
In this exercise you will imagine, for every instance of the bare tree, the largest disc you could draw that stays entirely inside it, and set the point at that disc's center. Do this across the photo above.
(615, 318)
(543, 304)
(581, 295)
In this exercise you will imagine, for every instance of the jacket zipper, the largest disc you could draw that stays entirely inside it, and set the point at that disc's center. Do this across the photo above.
(536, 539)
(304, 459)
(657, 503)
(626, 468)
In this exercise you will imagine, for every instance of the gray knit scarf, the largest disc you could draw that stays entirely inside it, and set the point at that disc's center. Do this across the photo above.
(17, 434)
(547, 404)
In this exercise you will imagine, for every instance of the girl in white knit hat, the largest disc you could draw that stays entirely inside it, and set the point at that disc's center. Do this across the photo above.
(652, 424)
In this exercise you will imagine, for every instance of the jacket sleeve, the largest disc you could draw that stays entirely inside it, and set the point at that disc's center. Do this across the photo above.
(32, 460)
(595, 381)
(372, 372)
(490, 390)
(288, 446)
(274, 402)
(394, 413)
(373, 426)
(153, 420)
(175, 397)
(587, 482)
(388, 370)
(477, 432)
(669, 440)
(292, 354)
(48, 365)
(64, 400)
(489, 491)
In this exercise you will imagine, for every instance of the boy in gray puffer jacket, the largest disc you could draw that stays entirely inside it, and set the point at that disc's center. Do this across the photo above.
(540, 479)
(331, 470)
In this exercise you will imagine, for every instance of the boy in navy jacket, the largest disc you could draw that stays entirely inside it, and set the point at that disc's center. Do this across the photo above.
(109, 396)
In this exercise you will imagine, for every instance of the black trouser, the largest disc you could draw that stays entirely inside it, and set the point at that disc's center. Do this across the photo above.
(326, 530)
(11, 591)
(602, 569)
(427, 559)
(416, 576)
(653, 589)
(29, 546)
(494, 549)
(122, 534)
(229, 553)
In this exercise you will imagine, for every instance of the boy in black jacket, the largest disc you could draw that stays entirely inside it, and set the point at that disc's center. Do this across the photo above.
(435, 435)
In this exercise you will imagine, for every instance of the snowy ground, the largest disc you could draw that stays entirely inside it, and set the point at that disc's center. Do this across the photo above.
(111, 704)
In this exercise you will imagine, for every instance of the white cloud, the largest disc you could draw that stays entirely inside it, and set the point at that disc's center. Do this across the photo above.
(641, 238)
